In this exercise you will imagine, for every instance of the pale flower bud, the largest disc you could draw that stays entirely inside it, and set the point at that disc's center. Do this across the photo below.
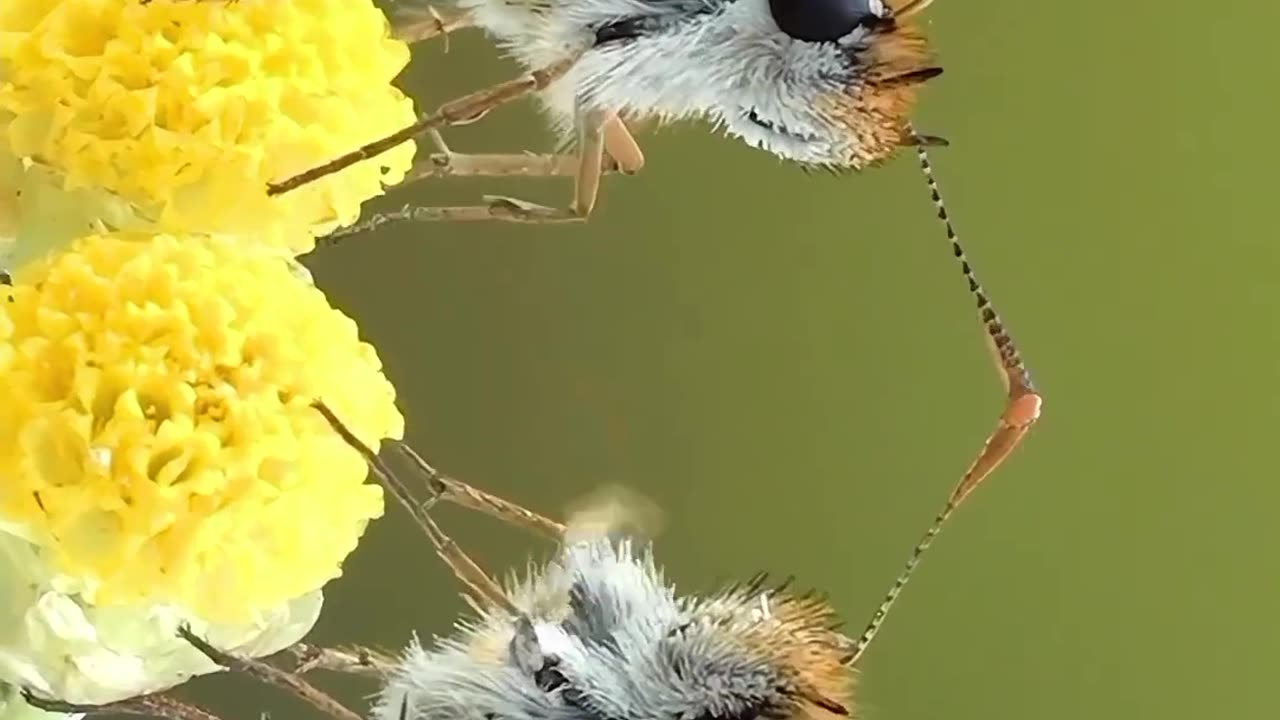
(57, 645)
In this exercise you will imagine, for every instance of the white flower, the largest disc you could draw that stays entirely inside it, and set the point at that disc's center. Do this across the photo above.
(37, 215)
(13, 707)
(59, 646)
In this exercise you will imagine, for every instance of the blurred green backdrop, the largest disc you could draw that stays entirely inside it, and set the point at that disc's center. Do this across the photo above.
(789, 366)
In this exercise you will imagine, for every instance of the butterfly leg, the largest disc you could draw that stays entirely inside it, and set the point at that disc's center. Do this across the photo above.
(461, 111)
(481, 586)
(622, 146)
(597, 130)
(448, 489)
(605, 146)
(272, 675)
(350, 660)
(442, 165)
(623, 155)
(155, 705)
(425, 23)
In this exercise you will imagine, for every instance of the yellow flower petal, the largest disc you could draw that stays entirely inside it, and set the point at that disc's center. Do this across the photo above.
(189, 109)
(156, 427)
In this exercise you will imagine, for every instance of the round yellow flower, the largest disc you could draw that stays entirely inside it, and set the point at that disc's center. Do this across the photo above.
(188, 109)
(157, 432)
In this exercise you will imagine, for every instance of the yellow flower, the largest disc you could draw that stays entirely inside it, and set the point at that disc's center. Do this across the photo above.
(157, 432)
(188, 109)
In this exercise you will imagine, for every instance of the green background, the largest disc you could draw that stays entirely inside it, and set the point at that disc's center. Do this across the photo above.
(787, 364)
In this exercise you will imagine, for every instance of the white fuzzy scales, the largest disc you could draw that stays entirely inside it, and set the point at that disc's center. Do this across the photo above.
(622, 645)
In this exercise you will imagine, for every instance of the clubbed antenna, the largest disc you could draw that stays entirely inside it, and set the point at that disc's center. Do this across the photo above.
(1022, 409)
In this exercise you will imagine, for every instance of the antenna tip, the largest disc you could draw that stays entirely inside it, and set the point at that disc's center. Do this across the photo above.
(1023, 410)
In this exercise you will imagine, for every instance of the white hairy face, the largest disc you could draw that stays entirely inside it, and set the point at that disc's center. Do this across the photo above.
(727, 62)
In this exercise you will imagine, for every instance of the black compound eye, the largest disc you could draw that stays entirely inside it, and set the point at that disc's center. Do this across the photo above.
(825, 20)
(549, 677)
(753, 117)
